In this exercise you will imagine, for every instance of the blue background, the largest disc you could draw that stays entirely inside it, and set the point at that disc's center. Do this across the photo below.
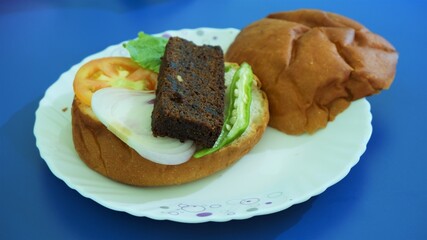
(383, 197)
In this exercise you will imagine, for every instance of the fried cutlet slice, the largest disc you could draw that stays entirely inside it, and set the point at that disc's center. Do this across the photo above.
(190, 93)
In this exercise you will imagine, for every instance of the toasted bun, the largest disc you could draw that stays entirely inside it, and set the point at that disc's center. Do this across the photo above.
(312, 64)
(103, 152)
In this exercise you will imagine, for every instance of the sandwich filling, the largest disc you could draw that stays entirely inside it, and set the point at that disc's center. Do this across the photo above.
(129, 112)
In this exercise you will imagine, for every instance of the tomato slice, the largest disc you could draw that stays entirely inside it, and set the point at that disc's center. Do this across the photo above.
(111, 72)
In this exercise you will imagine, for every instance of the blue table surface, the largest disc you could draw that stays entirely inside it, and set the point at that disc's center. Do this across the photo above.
(383, 197)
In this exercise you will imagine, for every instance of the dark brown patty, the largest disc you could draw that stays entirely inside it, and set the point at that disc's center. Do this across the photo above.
(190, 93)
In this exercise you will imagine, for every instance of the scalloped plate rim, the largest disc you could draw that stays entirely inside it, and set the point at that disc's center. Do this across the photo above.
(122, 207)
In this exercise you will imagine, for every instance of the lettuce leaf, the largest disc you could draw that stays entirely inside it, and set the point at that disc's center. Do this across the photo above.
(147, 50)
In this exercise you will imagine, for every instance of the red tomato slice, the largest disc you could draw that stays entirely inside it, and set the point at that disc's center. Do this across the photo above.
(111, 72)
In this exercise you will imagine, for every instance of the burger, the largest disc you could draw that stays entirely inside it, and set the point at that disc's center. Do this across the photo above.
(172, 113)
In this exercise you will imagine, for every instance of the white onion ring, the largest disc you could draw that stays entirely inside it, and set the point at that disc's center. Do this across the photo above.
(127, 114)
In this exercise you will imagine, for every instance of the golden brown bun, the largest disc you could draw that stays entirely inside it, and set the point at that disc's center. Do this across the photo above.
(312, 64)
(102, 151)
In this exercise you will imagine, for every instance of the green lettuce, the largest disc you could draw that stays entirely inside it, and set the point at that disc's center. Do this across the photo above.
(147, 51)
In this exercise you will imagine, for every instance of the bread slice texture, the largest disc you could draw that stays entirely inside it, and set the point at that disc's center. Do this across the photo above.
(105, 153)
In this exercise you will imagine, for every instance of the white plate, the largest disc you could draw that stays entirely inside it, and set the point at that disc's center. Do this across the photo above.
(278, 173)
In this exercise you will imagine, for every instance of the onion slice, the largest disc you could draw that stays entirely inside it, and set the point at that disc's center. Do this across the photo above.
(127, 114)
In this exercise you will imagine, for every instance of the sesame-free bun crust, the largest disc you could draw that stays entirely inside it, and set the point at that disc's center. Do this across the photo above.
(103, 152)
(313, 64)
